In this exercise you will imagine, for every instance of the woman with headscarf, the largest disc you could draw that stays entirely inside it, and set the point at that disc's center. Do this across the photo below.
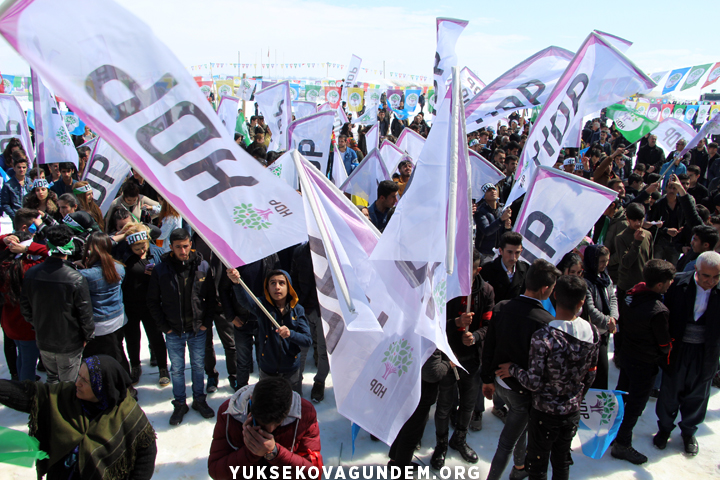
(42, 199)
(83, 192)
(89, 429)
(601, 305)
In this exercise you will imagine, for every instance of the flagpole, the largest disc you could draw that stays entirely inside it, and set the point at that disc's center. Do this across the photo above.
(452, 194)
(331, 255)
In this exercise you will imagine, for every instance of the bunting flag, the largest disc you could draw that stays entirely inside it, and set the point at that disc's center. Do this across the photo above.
(247, 88)
(713, 75)
(225, 88)
(653, 112)
(656, 77)
(619, 43)
(355, 99)
(670, 131)
(411, 143)
(105, 172)
(304, 109)
(693, 78)
(679, 112)
(674, 79)
(73, 123)
(312, 93)
(294, 92)
(52, 139)
(482, 171)
(14, 124)
(526, 85)
(332, 95)
(448, 32)
(666, 111)
(284, 168)
(311, 136)
(274, 104)
(254, 214)
(394, 97)
(642, 107)
(372, 137)
(369, 117)
(598, 75)
(351, 76)
(228, 112)
(365, 178)
(711, 127)
(471, 84)
(690, 112)
(339, 174)
(601, 414)
(412, 96)
(632, 125)
(550, 221)
(702, 115)
(372, 97)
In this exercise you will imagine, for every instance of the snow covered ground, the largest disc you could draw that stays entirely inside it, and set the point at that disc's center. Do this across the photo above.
(183, 450)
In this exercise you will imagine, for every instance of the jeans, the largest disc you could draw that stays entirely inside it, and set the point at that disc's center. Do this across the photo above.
(175, 344)
(61, 367)
(318, 335)
(153, 333)
(227, 338)
(637, 378)
(293, 377)
(244, 341)
(513, 435)
(549, 439)
(27, 359)
(403, 448)
(467, 387)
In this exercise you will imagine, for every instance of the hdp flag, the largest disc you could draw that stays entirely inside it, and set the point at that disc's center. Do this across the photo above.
(632, 125)
(601, 414)
(674, 79)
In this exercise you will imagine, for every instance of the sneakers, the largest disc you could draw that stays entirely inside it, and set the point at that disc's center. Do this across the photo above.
(660, 440)
(164, 377)
(627, 453)
(203, 408)
(500, 413)
(691, 445)
(178, 413)
(317, 394)
(212, 385)
(135, 375)
(518, 473)
(476, 421)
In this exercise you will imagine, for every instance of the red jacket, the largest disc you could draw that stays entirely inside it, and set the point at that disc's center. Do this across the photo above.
(305, 436)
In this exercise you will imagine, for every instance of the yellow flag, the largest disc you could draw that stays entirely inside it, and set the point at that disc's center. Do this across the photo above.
(355, 99)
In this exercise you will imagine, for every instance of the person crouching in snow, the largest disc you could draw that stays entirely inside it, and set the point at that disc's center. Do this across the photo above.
(278, 349)
(265, 425)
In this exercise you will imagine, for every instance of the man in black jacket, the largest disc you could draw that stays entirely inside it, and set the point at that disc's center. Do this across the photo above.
(694, 304)
(508, 340)
(55, 300)
(506, 273)
(182, 303)
(651, 155)
(645, 345)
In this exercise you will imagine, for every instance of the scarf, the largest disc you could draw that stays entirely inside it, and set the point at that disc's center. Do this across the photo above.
(106, 434)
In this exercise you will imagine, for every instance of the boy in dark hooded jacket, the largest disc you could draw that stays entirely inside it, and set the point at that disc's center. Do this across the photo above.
(278, 349)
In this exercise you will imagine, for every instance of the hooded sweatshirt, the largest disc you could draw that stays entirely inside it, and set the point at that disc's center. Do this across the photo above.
(278, 355)
(645, 331)
(563, 364)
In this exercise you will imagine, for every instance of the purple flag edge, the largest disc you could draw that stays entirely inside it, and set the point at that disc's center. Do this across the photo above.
(30, 150)
(715, 120)
(309, 118)
(39, 130)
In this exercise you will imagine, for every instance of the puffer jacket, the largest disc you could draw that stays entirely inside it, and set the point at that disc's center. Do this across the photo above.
(275, 354)
(563, 364)
(489, 227)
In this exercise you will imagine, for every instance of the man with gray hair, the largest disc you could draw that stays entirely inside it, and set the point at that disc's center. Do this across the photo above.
(694, 304)
(651, 155)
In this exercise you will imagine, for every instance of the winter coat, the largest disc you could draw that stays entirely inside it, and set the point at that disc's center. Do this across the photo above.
(297, 438)
(489, 227)
(631, 256)
(494, 273)
(600, 300)
(12, 194)
(482, 302)
(435, 368)
(275, 354)
(231, 307)
(563, 364)
(644, 330)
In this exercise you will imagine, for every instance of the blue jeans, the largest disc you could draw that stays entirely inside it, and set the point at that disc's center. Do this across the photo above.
(27, 360)
(176, 352)
(513, 435)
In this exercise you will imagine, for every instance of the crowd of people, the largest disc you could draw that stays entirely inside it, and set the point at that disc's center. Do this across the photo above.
(532, 339)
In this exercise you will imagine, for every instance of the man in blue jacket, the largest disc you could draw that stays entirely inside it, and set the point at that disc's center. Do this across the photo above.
(15, 189)
(278, 349)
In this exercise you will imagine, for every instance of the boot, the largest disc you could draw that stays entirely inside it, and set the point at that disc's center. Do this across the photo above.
(627, 453)
(457, 442)
(437, 461)
(212, 384)
(179, 411)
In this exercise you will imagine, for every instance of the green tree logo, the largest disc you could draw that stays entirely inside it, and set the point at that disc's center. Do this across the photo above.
(608, 406)
(63, 137)
(250, 217)
(277, 170)
(397, 358)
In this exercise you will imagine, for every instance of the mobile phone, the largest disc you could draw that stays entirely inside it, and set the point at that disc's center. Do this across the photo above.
(149, 266)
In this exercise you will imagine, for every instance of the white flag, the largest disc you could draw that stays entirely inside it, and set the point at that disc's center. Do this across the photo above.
(448, 32)
(483, 171)
(369, 117)
(351, 76)
(703, 113)
(670, 131)
(284, 168)
(411, 143)
(303, 109)
(558, 211)
(617, 42)
(274, 104)
(247, 87)
(598, 76)
(392, 155)
(142, 100)
(526, 85)
(372, 137)
(14, 124)
(105, 172)
(228, 113)
(339, 173)
(471, 84)
(711, 127)
(52, 139)
(365, 178)
(340, 120)
(312, 137)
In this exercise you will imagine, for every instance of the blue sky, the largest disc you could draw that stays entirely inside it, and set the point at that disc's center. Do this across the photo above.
(402, 34)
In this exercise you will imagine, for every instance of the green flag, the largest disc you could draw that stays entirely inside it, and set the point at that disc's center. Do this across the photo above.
(632, 125)
(241, 128)
(695, 75)
(18, 448)
(312, 93)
